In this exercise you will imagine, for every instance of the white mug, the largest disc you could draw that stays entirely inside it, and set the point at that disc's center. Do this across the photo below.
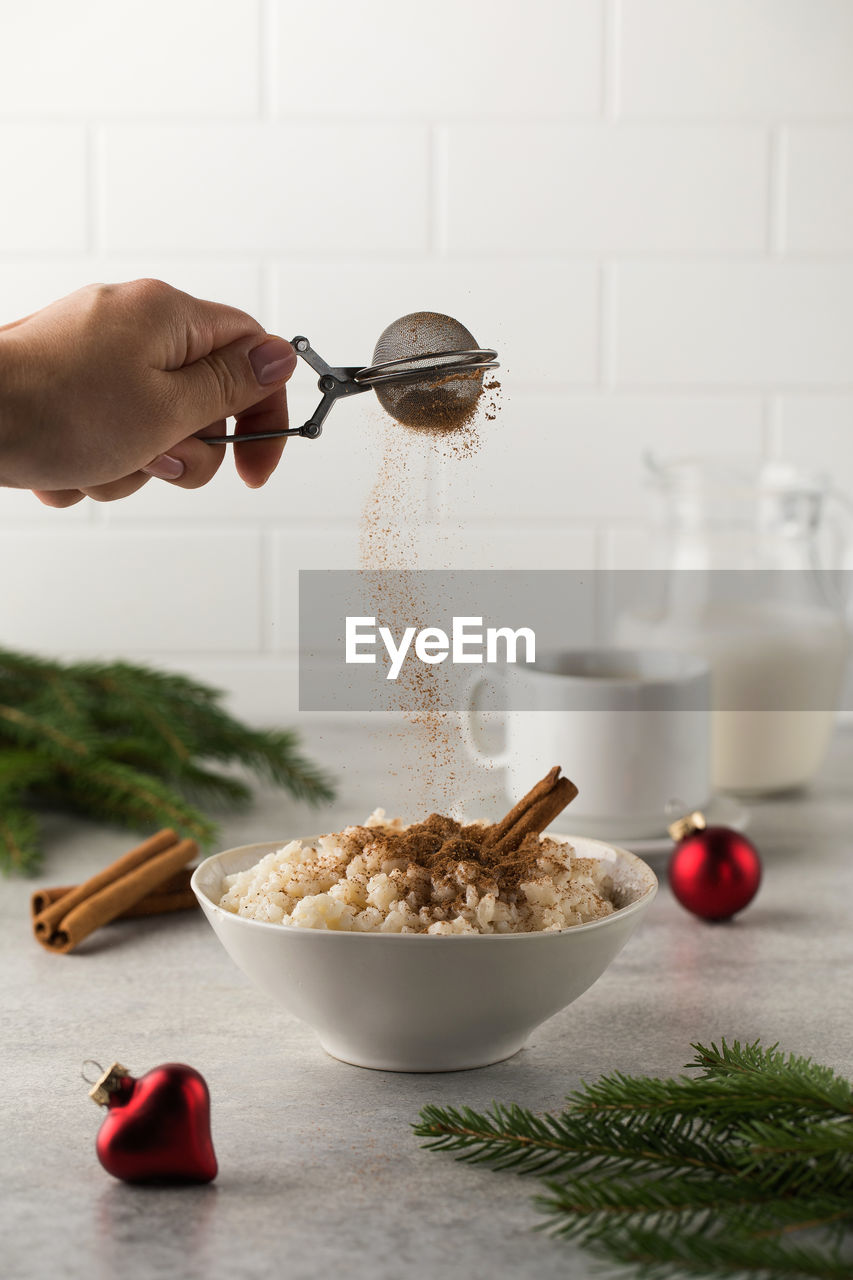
(630, 728)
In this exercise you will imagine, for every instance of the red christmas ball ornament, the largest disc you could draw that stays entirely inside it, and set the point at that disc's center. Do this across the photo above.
(714, 871)
(157, 1128)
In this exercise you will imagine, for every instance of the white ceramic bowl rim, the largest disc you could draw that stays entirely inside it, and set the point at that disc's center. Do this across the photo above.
(644, 874)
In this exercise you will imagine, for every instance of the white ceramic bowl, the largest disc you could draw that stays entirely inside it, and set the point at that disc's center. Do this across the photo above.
(412, 1002)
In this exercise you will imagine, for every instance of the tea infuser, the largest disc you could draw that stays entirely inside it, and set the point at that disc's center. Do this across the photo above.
(426, 366)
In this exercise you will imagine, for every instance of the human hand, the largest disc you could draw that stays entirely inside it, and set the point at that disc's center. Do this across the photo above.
(116, 383)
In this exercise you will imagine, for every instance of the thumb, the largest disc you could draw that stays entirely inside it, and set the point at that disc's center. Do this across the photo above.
(227, 381)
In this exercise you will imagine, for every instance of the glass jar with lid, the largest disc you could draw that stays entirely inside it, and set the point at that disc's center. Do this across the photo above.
(750, 558)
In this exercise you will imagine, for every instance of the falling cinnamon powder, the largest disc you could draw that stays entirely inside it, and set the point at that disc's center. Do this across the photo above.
(430, 430)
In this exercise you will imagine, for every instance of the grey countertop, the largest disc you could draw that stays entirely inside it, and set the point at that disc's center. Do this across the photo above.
(319, 1172)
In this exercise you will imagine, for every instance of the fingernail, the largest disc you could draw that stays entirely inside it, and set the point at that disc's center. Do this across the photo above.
(273, 360)
(165, 467)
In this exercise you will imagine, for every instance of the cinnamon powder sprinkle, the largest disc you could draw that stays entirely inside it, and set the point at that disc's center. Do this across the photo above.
(429, 428)
(454, 856)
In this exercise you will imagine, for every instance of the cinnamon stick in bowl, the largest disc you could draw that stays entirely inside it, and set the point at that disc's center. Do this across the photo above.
(64, 923)
(533, 813)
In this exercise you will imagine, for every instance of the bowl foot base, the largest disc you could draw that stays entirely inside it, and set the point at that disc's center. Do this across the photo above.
(422, 1065)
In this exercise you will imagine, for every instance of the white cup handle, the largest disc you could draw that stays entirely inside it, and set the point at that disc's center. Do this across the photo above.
(499, 759)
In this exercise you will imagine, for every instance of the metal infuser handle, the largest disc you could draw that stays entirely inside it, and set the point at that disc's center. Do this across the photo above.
(334, 383)
(415, 367)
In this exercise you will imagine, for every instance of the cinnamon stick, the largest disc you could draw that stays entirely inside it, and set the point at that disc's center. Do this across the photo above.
(174, 894)
(48, 919)
(65, 923)
(533, 813)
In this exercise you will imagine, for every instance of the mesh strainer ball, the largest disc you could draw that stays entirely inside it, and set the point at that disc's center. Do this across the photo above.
(437, 400)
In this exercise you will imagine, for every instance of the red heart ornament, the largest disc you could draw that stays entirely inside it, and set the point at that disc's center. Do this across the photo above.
(157, 1128)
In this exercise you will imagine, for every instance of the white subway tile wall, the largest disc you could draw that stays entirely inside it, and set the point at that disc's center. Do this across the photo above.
(819, 212)
(736, 59)
(645, 205)
(279, 188)
(817, 431)
(141, 58)
(610, 188)
(43, 208)
(756, 324)
(145, 589)
(474, 58)
(579, 460)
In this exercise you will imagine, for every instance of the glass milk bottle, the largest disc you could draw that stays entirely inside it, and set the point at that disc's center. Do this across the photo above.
(743, 586)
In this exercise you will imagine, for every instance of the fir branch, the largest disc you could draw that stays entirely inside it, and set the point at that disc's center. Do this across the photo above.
(21, 768)
(655, 1255)
(720, 1175)
(736, 1079)
(187, 719)
(24, 673)
(31, 729)
(128, 744)
(785, 1138)
(209, 787)
(585, 1204)
(19, 848)
(196, 782)
(116, 793)
(761, 1073)
(514, 1138)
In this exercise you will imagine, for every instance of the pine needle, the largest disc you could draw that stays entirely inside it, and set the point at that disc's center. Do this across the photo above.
(131, 745)
(743, 1170)
(18, 834)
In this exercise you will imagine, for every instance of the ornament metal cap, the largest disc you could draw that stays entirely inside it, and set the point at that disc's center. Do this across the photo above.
(107, 1083)
(683, 827)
